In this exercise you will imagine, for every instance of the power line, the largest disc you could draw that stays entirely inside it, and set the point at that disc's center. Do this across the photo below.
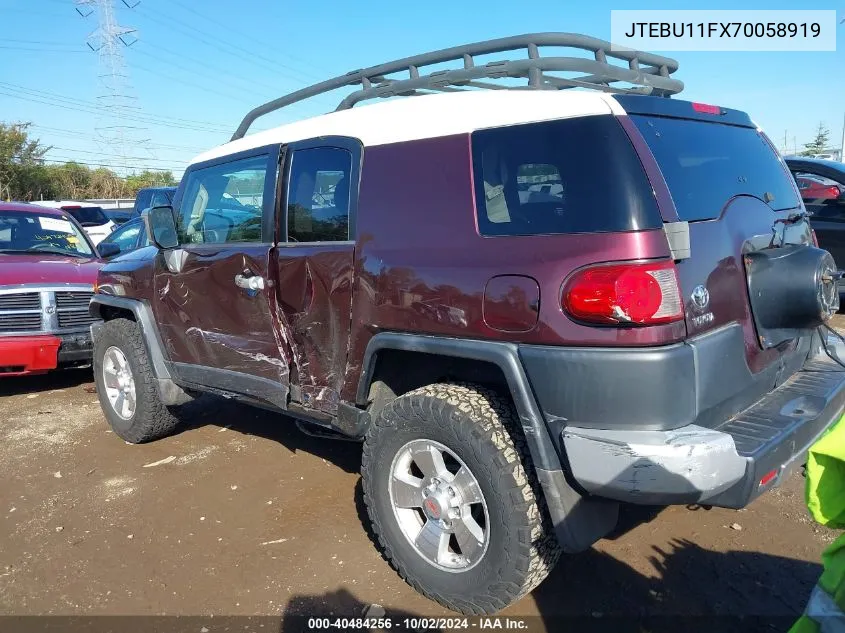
(84, 151)
(42, 50)
(220, 45)
(94, 111)
(63, 161)
(70, 103)
(41, 42)
(206, 70)
(77, 135)
(273, 47)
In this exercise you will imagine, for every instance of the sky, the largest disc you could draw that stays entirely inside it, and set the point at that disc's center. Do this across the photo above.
(198, 67)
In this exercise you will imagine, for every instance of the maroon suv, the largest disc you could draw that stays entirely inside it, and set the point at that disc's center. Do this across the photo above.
(531, 305)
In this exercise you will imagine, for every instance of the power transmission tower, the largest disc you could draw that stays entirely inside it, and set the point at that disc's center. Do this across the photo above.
(116, 130)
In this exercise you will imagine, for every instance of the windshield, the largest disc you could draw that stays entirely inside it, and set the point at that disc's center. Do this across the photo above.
(35, 233)
(88, 216)
(707, 164)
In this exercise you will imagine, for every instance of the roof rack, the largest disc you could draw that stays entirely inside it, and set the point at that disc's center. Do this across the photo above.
(647, 73)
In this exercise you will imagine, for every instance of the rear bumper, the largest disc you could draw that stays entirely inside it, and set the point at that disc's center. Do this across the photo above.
(727, 465)
(22, 355)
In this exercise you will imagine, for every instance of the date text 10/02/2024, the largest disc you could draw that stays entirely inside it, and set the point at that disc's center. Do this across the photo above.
(419, 624)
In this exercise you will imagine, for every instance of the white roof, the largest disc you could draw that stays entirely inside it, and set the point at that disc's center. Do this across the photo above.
(429, 116)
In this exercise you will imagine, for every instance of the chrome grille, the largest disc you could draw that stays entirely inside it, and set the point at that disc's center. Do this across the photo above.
(72, 308)
(20, 322)
(73, 300)
(75, 319)
(21, 301)
(45, 309)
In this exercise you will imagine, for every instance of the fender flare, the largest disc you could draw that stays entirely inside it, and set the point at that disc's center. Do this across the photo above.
(171, 393)
(579, 521)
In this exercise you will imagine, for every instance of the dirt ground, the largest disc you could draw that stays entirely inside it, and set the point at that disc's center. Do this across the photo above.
(242, 514)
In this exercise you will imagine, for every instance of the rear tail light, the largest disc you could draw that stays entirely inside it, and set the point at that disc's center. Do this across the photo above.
(705, 108)
(833, 192)
(617, 294)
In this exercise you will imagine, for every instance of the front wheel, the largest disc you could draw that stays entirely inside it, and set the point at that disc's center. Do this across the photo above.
(126, 386)
(453, 499)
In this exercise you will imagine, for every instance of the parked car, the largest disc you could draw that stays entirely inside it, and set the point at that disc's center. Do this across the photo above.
(92, 218)
(822, 187)
(515, 366)
(48, 266)
(127, 237)
(119, 216)
(149, 197)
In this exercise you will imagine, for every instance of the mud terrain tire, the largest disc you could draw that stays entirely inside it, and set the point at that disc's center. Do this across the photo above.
(481, 428)
(151, 419)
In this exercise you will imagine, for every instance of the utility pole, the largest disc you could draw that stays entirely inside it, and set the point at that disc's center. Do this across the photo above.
(785, 148)
(116, 129)
(842, 145)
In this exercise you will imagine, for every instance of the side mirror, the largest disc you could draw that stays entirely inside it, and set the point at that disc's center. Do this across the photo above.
(108, 249)
(161, 227)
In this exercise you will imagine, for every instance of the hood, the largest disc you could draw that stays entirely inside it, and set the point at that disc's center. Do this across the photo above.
(47, 269)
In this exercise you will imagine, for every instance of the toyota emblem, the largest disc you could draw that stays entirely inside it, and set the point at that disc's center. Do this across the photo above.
(700, 298)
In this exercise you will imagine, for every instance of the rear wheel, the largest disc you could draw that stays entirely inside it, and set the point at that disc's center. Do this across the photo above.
(453, 499)
(126, 386)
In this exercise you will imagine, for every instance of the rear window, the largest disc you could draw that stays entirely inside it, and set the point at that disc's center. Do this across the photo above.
(707, 164)
(577, 175)
(88, 216)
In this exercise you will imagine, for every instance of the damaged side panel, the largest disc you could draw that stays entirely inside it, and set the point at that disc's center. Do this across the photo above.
(315, 300)
(207, 320)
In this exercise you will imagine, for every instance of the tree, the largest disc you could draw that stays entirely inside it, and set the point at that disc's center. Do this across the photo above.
(148, 178)
(819, 144)
(20, 157)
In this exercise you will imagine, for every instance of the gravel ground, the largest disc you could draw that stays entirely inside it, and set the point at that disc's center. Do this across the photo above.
(242, 514)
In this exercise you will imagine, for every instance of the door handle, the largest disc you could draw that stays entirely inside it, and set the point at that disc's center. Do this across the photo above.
(253, 282)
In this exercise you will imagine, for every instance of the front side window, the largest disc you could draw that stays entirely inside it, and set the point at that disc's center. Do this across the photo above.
(224, 203)
(318, 195)
(126, 237)
(23, 232)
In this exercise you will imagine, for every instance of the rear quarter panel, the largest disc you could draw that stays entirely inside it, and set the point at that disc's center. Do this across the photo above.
(421, 265)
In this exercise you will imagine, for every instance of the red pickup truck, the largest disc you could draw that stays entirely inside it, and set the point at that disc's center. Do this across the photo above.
(48, 267)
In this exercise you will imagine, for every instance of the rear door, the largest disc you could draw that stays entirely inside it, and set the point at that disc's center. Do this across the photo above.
(314, 265)
(729, 183)
(215, 300)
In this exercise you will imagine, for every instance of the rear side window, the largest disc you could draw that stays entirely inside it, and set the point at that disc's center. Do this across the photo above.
(161, 199)
(88, 216)
(568, 176)
(707, 164)
(318, 195)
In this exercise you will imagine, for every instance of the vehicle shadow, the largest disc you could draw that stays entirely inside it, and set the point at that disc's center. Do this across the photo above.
(210, 409)
(56, 379)
(691, 590)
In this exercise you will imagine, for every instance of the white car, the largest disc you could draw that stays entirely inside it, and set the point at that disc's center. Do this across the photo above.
(93, 219)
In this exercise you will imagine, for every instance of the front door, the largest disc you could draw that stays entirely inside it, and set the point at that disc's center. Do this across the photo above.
(314, 265)
(214, 304)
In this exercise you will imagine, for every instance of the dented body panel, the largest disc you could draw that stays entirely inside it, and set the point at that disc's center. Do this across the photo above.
(206, 320)
(313, 291)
